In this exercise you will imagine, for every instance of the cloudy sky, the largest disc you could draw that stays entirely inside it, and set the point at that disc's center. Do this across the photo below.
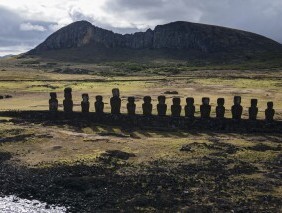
(25, 24)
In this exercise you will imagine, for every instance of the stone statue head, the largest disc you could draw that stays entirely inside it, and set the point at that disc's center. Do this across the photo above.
(176, 101)
(220, 101)
(254, 102)
(206, 101)
(147, 99)
(237, 100)
(270, 105)
(161, 99)
(115, 92)
(53, 95)
(68, 92)
(99, 98)
(85, 97)
(190, 101)
(131, 100)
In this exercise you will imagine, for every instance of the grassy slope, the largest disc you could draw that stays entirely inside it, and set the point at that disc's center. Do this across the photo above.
(187, 60)
(239, 171)
(30, 81)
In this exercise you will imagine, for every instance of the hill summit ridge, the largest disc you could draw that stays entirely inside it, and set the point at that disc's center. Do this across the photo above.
(179, 35)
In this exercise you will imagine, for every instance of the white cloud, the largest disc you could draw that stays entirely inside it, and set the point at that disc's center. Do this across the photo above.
(54, 27)
(54, 10)
(30, 27)
(13, 39)
(14, 50)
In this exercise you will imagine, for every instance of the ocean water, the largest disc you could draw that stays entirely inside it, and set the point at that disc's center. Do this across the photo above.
(13, 204)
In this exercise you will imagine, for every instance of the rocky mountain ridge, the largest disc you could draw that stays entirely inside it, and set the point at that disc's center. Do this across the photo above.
(184, 36)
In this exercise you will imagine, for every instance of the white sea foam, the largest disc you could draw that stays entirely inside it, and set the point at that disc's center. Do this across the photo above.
(12, 204)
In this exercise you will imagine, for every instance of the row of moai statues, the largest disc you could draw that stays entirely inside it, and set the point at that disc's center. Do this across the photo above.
(147, 107)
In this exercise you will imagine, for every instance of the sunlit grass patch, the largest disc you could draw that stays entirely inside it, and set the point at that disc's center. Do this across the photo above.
(256, 156)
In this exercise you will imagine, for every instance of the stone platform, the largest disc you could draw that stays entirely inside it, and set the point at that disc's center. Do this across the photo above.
(151, 122)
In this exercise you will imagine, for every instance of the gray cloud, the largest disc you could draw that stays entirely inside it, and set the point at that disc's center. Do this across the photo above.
(139, 4)
(258, 16)
(31, 27)
(151, 13)
(18, 34)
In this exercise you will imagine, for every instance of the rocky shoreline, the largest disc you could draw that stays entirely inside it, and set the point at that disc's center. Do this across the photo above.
(10, 204)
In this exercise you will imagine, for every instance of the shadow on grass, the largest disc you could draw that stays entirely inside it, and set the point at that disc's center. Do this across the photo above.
(18, 138)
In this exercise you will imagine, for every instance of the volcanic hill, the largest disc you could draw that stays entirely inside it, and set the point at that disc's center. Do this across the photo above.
(177, 40)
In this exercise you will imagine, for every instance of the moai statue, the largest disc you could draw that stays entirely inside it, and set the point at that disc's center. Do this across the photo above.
(176, 107)
(131, 106)
(161, 106)
(99, 104)
(85, 103)
(220, 109)
(190, 108)
(53, 102)
(147, 106)
(115, 102)
(237, 109)
(205, 108)
(68, 103)
(269, 112)
(253, 110)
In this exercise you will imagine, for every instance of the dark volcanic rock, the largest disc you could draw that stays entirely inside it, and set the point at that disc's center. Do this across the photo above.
(177, 36)
(171, 93)
(74, 35)
(118, 154)
(207, 38)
